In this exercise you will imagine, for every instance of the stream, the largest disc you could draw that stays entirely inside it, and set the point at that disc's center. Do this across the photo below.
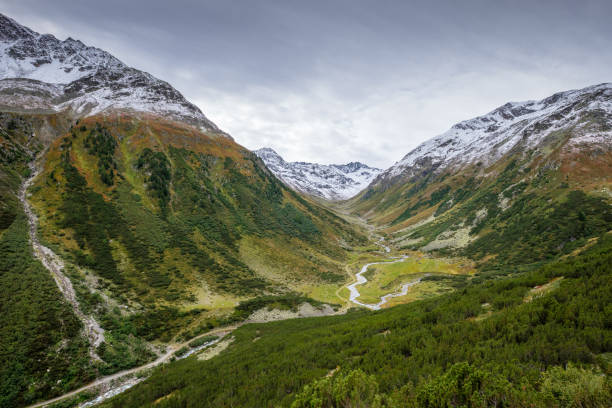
(54, 264)
(362, 280)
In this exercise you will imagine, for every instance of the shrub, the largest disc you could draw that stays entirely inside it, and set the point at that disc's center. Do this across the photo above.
(576, 387)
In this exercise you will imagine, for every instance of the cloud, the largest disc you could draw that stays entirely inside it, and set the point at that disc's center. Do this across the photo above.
(339, 81)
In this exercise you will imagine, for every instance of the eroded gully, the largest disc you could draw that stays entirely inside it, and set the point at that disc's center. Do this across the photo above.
(53, 263)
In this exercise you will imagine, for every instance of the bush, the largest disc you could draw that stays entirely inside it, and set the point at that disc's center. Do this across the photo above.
(576, 387)
(352, 390)
(466, 386)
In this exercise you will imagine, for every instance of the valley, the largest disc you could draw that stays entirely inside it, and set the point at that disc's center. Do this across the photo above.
(132, 332)
(112, 385)
(149, 259)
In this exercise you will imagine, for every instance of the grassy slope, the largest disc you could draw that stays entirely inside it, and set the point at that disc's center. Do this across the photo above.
(409, 348)
(165, 216)
(523, 209)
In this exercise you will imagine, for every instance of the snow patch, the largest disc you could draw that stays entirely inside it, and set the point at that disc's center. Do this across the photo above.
(83, 79)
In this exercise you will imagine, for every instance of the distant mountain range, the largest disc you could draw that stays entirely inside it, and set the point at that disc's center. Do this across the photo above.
(332, 182)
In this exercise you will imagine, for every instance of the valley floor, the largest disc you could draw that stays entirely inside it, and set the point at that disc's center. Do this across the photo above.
(378, 277)
(392, 278)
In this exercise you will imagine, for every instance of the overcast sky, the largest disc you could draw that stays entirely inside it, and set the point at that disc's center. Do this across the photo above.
(339, 81)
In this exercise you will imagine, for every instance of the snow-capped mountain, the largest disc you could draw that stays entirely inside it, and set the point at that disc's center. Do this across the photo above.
(332, 182)
(38, 71)
(584, 116)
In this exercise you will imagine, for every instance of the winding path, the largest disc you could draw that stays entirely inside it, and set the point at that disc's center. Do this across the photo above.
(53, 263)
(362, 279)
(129, 382)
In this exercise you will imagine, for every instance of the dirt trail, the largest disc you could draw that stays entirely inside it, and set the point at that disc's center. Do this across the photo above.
(126, 383)
(53, 263)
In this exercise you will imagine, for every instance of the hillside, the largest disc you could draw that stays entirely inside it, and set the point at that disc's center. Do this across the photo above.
(189, 215)
(331, 182)
(152, 224)
(522, 184)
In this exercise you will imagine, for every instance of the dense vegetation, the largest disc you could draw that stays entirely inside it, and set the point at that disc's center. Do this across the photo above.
(42, 352)
(158, 168)
(525, 233)
(515, 348)
(94, 222)
(462, 385)
(99, 142)
(13, 158)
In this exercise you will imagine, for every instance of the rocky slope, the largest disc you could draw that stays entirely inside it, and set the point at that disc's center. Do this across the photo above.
(332, 182)
(40, 72)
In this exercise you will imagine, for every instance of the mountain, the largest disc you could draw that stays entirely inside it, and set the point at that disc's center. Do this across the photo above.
(524, 191)
(522, 183)
(40, 72)
(128, 220)
(332, 182)
(515, 127)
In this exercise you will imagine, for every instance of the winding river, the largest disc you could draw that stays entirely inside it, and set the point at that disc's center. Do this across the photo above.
(362, 279)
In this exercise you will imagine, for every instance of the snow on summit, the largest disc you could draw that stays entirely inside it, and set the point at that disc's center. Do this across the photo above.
(515, 125)
(39, 71)
(332, 182)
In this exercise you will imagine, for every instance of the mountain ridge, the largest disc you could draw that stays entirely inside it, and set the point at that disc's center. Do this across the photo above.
(329, 181)
(489, 137)
(38, 71)
(523, 183)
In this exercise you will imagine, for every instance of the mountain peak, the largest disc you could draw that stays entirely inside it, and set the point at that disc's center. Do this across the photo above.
(10, 30)
(267, 150)
(332, 182)
(89, 80)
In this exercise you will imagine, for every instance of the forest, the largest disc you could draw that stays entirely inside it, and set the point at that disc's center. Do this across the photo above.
(497, 342)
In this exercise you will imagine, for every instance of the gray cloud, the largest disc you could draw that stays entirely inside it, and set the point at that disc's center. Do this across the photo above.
(335, 81)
